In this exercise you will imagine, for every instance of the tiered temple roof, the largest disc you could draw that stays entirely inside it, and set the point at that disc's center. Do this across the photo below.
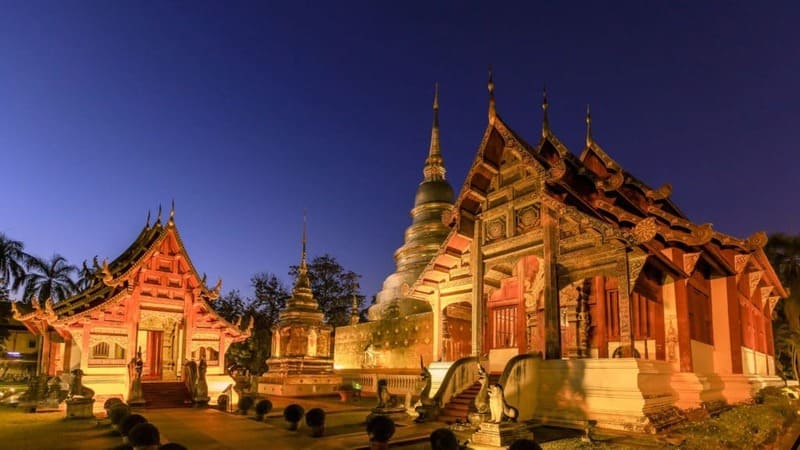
(612, 201)
(113, 282)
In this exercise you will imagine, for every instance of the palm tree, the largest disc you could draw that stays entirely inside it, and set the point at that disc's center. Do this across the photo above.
(49, 279)
(783, 252)
(12, 261)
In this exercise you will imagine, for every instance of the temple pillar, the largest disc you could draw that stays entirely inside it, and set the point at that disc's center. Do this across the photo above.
(676, 324)
(437, 325)
(725, 314)
(626, 337)
(599, 320)
(85, 345)
(188, 326)
(44, 369)
(552, 324)
(478, 305)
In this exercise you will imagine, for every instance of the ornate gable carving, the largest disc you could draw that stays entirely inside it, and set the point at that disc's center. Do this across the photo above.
(740, 262)
(754, 278)
(690, 261)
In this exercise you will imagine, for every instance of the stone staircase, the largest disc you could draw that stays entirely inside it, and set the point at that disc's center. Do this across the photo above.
(459, 406)
(166, 395)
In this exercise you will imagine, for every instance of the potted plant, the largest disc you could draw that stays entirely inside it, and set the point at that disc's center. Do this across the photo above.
(263, 407)
(315, 419)
(380, 429)
(245, 403)
(222, 402)
(117, 413)
(293, 413)
(345, 392)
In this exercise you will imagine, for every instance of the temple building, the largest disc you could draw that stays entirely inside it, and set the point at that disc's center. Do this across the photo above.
(301, 363)
(149, 299)
(591, 294)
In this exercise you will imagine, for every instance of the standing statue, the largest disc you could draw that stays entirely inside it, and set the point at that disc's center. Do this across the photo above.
(201, 393)
(482, 399)
(500, 410)
(135, 374)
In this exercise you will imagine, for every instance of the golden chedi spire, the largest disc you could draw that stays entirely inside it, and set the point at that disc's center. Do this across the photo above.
(434, 164)
(302, 281)
(434, 196)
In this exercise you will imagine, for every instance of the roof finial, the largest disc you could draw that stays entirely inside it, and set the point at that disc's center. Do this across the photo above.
(434, 164)
(588, 126)
(492, 106)
(147, 223)
(158, 217)
(545, 119)
(303, 265)
(172, 211)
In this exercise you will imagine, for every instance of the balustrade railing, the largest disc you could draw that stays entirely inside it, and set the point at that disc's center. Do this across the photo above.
(460, 376)
(397, 384)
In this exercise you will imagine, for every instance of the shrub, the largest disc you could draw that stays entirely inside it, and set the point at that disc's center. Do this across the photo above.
(263, 407)
(118, 412)
(222, 402)
(245, 403)
(111, 402)
(380, 428)
(315, 417)
(129, 422)
(144, 434)
(293, 413)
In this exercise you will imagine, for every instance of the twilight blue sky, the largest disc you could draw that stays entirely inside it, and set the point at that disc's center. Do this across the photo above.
(247, 113)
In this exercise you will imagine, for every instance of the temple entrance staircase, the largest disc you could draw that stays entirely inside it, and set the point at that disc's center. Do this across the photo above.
(460, 405)
(166, 395)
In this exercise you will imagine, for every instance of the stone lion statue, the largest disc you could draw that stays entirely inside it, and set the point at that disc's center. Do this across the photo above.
(385, 398)
(77, 391)
(499, 409)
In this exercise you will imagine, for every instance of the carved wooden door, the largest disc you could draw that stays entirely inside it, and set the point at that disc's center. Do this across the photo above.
(152, 361)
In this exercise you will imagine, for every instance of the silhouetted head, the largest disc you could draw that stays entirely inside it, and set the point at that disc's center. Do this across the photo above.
(144, 435)
(172, 446)
(380, 428)
(443, 439)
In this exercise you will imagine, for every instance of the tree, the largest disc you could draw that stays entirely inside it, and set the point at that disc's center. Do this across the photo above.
(49, 279)
(12, 262)
(230, 306)
(270, 298)
(783, 252)
(333, 287)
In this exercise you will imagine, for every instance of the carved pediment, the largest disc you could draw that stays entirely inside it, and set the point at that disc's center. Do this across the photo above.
(740, 262)
(690, 261)
(754, 279)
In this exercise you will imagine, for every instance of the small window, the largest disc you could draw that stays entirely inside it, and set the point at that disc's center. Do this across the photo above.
(505, 319)
(100, 350)
(31, 343)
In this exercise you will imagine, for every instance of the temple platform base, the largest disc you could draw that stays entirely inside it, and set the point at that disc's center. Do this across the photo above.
(80, 409)
(494, 436)
(299, 385)
(397, 414)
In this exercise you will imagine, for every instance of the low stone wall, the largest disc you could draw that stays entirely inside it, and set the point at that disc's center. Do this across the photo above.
(623, 393)
(398, 343)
